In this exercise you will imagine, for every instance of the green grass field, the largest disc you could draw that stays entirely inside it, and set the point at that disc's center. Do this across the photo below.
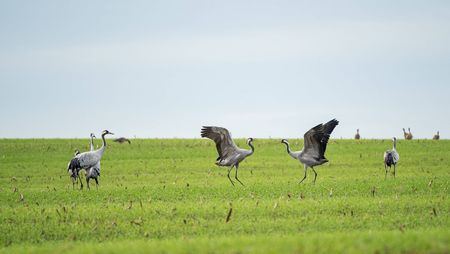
(168, 196)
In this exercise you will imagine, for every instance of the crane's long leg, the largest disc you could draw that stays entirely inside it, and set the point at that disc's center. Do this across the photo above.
(229, 170)
(81, 181)
(315, 175)
(394, 170)
(385, 168)
(235, 176)
(96, 181)
(306, 169)
(87, 183)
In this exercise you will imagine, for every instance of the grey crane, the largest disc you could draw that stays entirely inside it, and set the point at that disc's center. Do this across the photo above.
(229, 154)
(74, 173)
(76, 176)
(93, 172)
(87, 160)
(436, 136)
(391, 157)
(122, 140)
(315, 143)
(357, 136)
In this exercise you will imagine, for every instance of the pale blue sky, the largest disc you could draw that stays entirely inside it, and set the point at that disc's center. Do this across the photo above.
(259, 68)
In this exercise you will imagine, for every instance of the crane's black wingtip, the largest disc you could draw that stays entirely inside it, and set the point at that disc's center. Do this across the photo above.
(334, 121)
(205, 130)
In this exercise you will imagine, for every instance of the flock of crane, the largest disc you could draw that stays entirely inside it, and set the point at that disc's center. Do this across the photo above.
(89, 161)
(230, 155)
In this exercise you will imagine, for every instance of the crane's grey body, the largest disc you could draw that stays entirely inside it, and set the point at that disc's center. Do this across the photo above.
(229, 154)
(87, 160)
(315, 144)
(391, 157)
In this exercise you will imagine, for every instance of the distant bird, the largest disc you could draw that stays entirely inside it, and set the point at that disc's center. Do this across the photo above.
(391, 157)
(357, 136)
(87, 160)
(122, 140)
(229, 154)
(315, 143)
(408, 135)
(436, 136)
(93, 172)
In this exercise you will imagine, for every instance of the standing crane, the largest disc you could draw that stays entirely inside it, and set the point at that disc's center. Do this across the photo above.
(229, 154)
(391, 157)
(87, 160)
(436, 136)
(89, 173)
(315, 144)
(357, 136)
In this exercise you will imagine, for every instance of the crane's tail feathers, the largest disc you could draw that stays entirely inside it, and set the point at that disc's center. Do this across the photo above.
(389, 159)
(74, 167)
(74, 164)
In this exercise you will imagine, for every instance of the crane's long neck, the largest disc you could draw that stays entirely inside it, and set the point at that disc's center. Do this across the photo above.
(395, 144)
(102, 149)
(92, 143)
(288, 148)
(251, 147)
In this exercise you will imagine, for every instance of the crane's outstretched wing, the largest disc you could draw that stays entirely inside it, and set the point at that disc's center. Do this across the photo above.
(316, 139)
(224, 144)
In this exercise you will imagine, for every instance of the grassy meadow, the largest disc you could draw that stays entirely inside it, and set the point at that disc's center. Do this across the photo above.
(166, 195)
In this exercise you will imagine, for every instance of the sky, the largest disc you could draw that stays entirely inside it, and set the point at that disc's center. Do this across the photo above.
(163, 69)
